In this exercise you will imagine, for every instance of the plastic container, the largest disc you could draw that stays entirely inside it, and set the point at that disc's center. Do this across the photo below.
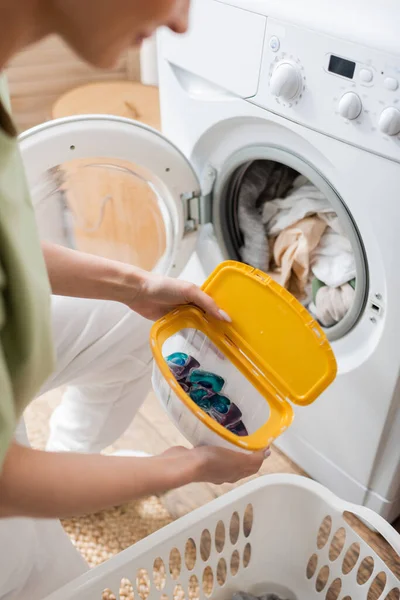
(280, 534)
(272, 355)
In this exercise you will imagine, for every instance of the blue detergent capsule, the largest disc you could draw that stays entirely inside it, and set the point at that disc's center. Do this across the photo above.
(230, 418)
(197, 393)
(181, 364)
(177, 358)
(207, 380)
(201, 397)
(204, 404)
(191, 364)
(220, 403)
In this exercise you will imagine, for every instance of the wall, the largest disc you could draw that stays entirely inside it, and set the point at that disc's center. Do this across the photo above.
(40, 74)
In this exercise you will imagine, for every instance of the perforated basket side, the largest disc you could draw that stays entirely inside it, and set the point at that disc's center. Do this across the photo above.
(259, 538)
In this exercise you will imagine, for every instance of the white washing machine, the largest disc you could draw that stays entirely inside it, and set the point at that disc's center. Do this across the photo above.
(306, 86)
(317, 89)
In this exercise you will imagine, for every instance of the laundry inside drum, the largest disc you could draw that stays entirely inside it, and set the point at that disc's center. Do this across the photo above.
(283, 224)
(214, 384)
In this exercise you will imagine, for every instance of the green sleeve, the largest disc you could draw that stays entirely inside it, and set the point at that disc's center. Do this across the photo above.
(7, 407)
(26, 349)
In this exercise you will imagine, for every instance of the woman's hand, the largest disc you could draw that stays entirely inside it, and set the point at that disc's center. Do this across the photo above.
(158, 295)
(218, 465)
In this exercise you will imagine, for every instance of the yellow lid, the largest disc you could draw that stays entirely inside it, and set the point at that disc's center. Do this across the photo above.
(275, 331)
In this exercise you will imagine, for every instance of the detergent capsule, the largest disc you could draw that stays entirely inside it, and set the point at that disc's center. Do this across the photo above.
(230, 418)
(208, 380)
(220, 403)
(178, 358)
(181, 364)
(201, 397)
(197, 392)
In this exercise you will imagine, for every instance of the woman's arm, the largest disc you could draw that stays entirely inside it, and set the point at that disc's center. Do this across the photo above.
(51, 485)
(73, 273)
(82, 275)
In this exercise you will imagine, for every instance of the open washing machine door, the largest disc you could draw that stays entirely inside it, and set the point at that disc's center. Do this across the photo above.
(113, 187)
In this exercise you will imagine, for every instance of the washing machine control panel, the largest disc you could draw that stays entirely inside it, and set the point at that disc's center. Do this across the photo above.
(336, 87)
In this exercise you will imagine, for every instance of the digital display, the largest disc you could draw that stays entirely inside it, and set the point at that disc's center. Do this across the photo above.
(341, 66)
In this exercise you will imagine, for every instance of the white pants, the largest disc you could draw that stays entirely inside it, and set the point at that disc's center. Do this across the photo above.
(103, 355)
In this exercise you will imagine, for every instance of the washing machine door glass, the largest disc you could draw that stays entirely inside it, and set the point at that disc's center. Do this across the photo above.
(115, 188)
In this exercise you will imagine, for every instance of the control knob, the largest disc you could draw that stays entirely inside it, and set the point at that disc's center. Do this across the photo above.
(389, 121)
(350, 106)
(286, 81)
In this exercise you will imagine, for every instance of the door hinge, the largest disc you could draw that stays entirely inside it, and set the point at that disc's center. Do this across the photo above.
(191, 207)
(194, 202)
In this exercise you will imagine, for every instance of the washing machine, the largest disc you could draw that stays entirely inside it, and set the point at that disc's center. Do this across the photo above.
(316, 89)
(301, 85)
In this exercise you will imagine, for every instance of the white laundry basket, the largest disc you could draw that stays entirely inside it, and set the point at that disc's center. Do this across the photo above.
(280, 533)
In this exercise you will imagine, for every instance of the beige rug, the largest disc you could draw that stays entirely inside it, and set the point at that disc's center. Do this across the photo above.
(104, 534)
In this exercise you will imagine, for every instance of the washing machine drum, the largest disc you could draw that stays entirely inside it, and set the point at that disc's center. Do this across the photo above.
(290, 223)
